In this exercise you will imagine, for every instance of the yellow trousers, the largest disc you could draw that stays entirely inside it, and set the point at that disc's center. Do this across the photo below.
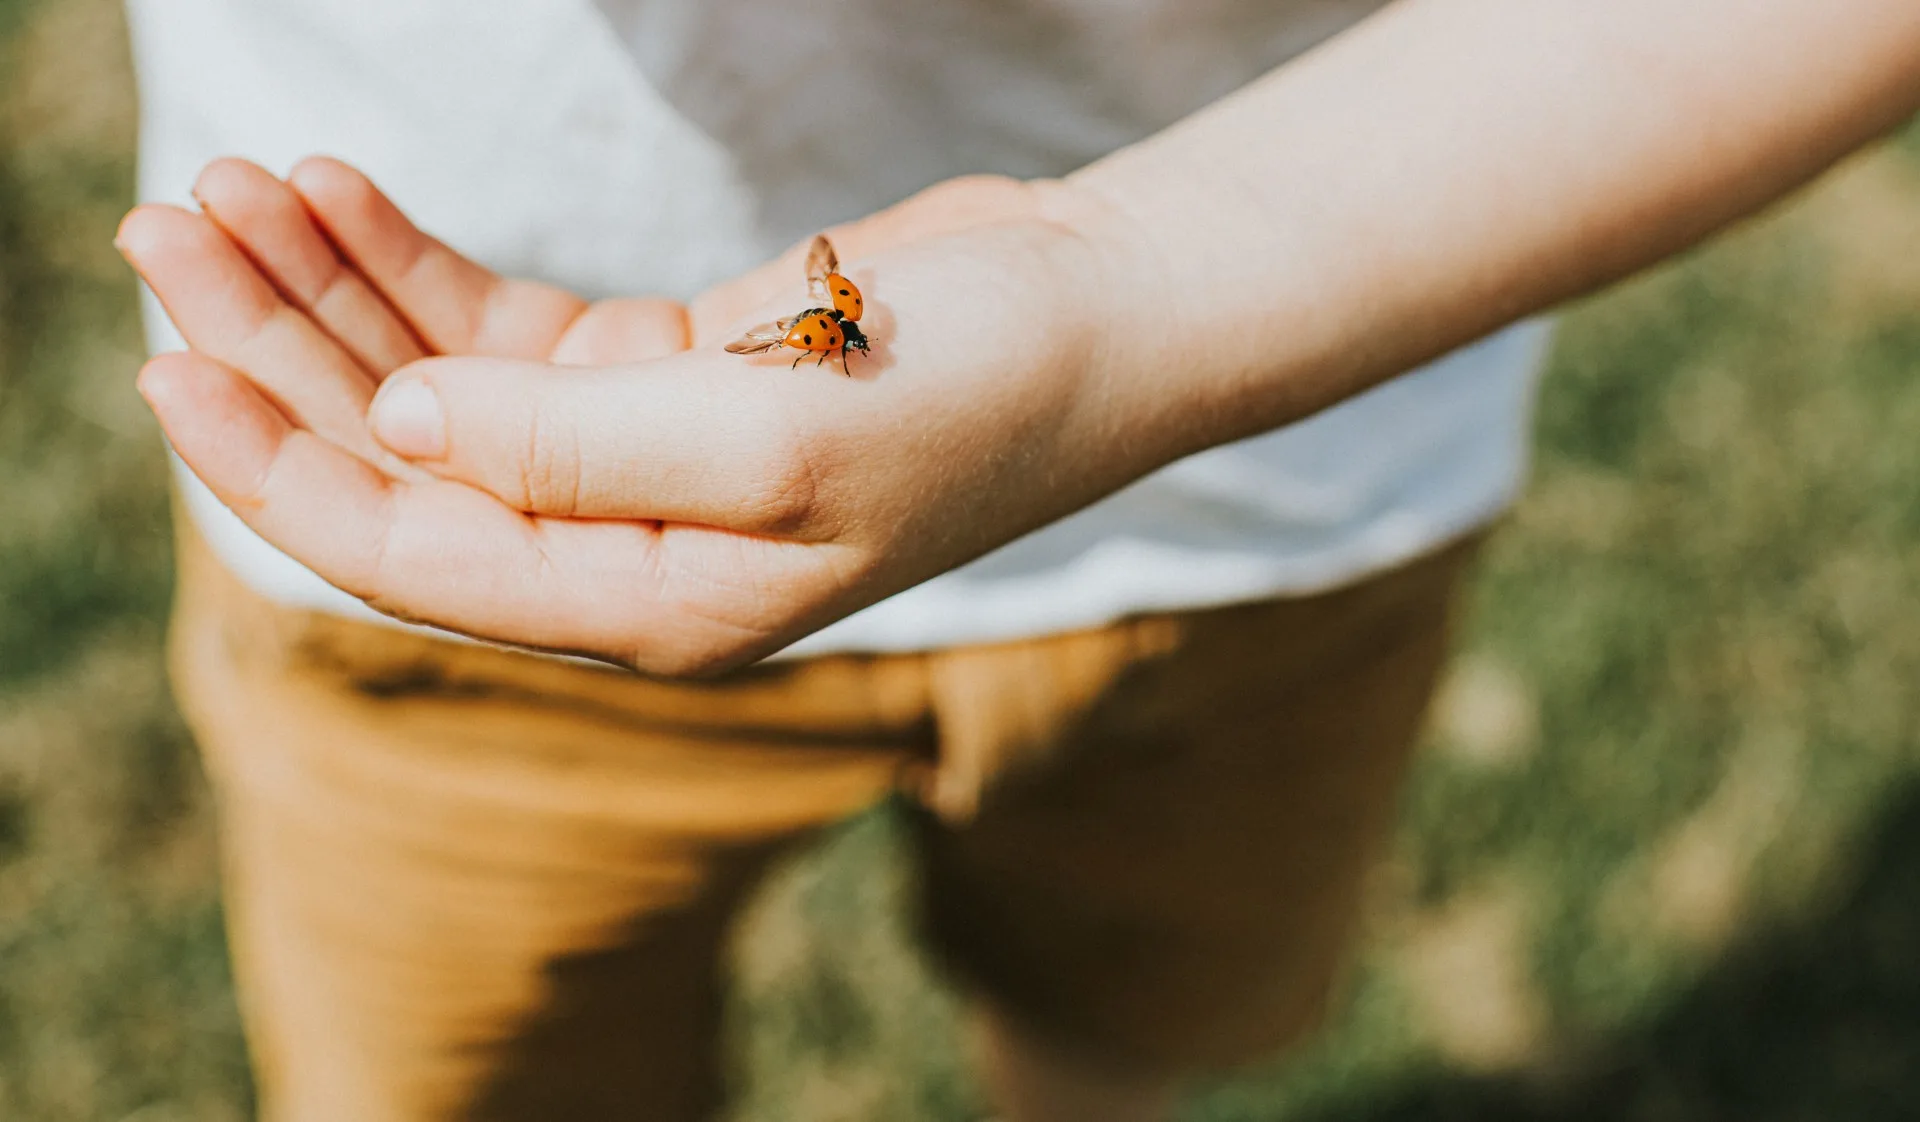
(465, 882)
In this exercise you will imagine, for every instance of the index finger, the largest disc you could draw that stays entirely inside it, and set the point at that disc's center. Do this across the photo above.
(455, 305)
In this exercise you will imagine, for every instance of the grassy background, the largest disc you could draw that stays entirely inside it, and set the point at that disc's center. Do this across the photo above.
(1661, 860)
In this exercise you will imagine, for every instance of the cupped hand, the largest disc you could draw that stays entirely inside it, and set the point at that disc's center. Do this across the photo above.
(319, 287)
(678, 515)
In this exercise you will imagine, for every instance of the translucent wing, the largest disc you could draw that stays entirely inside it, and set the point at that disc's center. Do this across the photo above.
(821, 260)
(765, 337)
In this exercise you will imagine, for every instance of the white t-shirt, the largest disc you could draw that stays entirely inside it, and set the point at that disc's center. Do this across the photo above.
(657, 146)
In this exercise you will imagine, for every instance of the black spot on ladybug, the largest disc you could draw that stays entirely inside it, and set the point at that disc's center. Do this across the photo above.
(807, 339)
(844, 292)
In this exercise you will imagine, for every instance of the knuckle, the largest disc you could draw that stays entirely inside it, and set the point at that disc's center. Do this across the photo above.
(548, 477)
(784, 481)
(980, 183)
(696, 644)
(982, 195)
(690, 662)
(707, 616)
(326, 288)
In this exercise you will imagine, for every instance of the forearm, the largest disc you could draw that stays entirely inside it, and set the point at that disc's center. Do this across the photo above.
(1453, 165)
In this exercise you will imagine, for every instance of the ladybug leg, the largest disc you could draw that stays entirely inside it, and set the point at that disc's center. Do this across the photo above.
(796, 360)
(844, 368)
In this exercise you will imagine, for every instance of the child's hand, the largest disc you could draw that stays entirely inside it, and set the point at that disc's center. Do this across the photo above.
(677, 515)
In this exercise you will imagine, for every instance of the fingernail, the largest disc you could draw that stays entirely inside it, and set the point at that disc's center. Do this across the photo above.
(407, 419)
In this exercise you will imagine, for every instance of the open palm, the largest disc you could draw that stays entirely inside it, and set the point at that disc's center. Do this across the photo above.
(671, 509)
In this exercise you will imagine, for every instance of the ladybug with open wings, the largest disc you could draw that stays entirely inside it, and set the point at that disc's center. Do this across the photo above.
(817, 331)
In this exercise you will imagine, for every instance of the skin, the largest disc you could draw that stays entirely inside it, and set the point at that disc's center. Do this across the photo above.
(501, 458)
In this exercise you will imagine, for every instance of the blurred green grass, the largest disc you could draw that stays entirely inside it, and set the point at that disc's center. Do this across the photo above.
(1661, 858)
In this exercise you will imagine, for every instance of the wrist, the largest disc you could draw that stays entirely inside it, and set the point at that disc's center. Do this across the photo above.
(1231, 322)
(1148, 367)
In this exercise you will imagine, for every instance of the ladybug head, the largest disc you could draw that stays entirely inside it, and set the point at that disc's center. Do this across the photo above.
(856, 338)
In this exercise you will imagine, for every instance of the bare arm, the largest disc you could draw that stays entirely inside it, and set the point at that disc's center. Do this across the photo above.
(1452, 165)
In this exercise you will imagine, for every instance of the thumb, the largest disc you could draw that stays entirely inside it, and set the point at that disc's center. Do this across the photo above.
(682, 439)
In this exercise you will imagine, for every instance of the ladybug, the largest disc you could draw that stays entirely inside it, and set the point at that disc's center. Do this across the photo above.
(820, 330)
(814, 330)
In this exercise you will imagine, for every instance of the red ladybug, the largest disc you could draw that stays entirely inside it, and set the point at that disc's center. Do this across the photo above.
(821, 330)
